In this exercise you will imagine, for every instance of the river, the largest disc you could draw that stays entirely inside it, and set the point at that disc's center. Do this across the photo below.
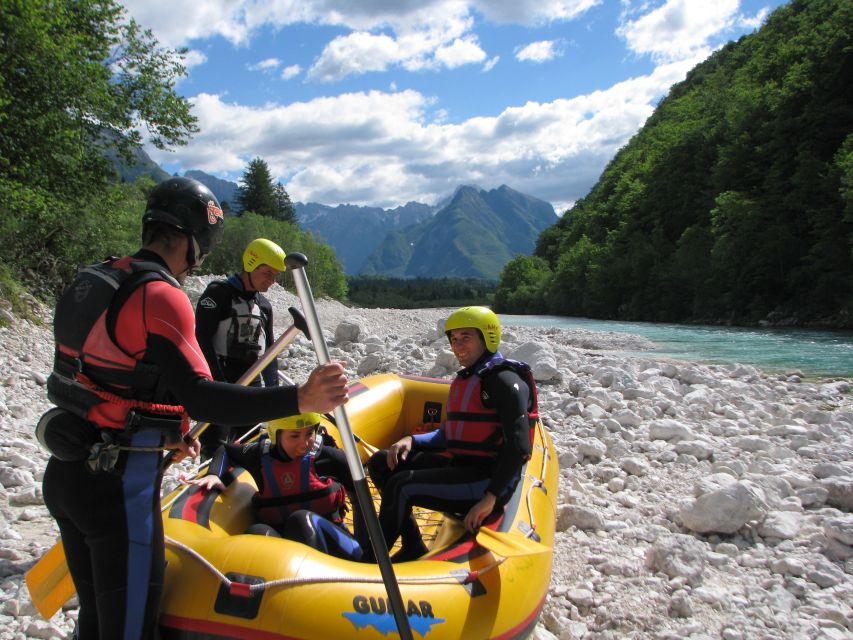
(815, 353)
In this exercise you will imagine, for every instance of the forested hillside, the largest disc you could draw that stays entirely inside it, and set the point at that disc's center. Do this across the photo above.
(734, 202)
(78, 83)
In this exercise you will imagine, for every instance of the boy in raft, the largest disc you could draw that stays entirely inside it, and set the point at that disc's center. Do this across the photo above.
(472, 463)
(302, 481)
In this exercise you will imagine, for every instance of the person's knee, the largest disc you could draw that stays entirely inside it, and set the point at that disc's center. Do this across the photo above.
(377, 467)
(260, 529)
(301, 528)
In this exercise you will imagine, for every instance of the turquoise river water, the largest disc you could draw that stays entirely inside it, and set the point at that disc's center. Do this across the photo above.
(813, 352)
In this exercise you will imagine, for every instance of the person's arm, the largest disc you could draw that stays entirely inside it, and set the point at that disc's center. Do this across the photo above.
(213, 306)
(270, 372)
(510, 396)
(171, 345)
(331, 462)
(434, 440)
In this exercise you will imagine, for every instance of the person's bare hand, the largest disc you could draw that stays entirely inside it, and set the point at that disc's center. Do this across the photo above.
(209, 483)
(479, 512)
(399, 451)
(184, 450)
(325, 389)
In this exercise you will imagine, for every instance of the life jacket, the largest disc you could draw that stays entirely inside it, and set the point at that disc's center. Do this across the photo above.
(240, 339)
(473, 429)
(294, 484)
(91, 369)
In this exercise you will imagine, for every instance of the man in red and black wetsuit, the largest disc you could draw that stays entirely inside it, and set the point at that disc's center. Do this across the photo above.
(129, 369)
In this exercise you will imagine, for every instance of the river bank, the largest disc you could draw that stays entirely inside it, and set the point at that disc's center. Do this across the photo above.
(703, 501)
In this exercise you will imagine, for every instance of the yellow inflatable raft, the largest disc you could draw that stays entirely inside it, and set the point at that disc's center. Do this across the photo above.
(222, 583)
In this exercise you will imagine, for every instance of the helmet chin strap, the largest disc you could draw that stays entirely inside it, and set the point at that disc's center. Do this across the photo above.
(194, 258)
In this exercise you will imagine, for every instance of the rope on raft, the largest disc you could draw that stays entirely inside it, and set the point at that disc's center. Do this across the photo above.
(242, 589)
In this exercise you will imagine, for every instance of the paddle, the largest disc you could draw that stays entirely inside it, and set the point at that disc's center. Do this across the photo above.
(48, 580)
(509, 545)
(295, 263)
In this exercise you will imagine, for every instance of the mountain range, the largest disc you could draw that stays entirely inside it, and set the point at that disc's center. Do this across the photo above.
(473, 234)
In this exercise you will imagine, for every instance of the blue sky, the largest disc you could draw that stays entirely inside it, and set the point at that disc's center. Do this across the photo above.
(382, 102)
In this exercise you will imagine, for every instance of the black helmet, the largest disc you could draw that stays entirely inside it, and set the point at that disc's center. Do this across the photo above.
(188, 205)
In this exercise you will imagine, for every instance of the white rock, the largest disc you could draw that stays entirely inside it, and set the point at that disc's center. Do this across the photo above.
(840, 529)
(725, 510)
(839, 492)
(678, 556)
(348, 331)
(669, 430)
(783, 525)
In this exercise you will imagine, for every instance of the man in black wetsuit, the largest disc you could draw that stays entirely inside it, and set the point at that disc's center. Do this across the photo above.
(303, 481)
(234, 326)
(128, 373)
(491, 412)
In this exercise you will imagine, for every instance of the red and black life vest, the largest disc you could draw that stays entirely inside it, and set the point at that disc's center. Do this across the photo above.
(293, 485)
(89, 367)
(473, 429)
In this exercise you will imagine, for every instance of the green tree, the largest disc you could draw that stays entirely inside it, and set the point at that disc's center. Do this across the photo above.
(78, 82)
(256, 192)
(286, 210)
(521, 285)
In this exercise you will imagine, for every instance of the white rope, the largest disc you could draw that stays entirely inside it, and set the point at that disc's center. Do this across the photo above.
(446, 578)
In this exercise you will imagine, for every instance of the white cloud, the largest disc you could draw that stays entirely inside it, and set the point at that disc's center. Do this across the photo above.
(540, 51)
(383, 149)
(679, 29)
(194, 58)
(490, 64)
(265, 65)
(532, 12)
(290, 71)
(460, 51)
(416, 35)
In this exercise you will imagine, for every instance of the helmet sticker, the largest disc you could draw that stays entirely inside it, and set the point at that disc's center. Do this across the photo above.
(207, 303)
(213, 212)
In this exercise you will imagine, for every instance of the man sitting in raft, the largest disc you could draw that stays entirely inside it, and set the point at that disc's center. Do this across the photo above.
(491, 412)
(301, 485)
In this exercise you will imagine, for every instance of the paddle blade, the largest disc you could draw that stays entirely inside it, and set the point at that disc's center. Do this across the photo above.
(509, 545)
(49, 582)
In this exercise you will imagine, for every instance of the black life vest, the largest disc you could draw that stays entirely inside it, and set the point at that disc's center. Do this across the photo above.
(293, 485)
(473, 429)
(89, 367)
(240, 339)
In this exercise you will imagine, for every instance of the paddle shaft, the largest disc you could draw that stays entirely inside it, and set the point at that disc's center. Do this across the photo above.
(295, 263)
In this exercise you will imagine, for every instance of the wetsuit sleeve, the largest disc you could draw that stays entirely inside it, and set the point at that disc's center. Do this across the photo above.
(247, 456)
(213, 307)
(270, 372)
(171, 345)
(509, 396)
(434, 440)
(331, 462)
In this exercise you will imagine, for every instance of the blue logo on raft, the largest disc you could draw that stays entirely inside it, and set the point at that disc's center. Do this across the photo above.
(375, 612)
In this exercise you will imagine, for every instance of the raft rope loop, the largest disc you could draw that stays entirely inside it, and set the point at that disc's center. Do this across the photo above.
(536, 483)
(245, 590)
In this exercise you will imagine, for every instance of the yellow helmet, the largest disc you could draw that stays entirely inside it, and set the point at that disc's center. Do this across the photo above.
(481, 318)
(263, 251)
(299, 421)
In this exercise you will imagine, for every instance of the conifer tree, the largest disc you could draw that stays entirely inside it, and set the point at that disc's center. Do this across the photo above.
(286, 211)
(256, 192)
